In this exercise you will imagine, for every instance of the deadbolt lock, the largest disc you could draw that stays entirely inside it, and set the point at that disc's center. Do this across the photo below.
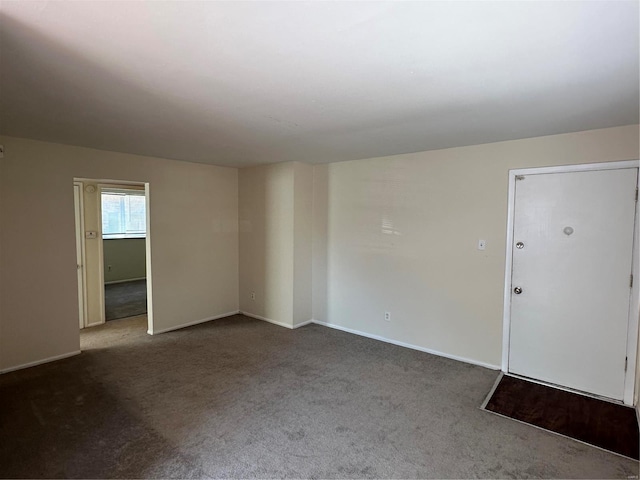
(517, 290)
(519, 245)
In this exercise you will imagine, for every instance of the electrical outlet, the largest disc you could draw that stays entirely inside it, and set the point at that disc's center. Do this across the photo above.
(387, 316)
(253, 295)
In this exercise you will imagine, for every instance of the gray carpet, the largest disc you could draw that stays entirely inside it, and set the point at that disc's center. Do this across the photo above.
(126, 299)
(242, 398)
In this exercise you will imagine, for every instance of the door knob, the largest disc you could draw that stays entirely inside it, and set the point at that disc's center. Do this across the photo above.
(517, 290)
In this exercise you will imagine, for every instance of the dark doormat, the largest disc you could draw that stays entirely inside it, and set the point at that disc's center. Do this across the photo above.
(597, 422)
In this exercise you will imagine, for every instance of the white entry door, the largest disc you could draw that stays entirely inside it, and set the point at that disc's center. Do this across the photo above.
(570, 285)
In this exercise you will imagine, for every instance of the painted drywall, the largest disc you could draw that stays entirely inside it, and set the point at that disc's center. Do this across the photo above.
(266, 197)
(276, 230)
(239, 83)
(401, 236)
(92, 267)
(124, 259)
(193, 219)
(319, 240)
(302, 242)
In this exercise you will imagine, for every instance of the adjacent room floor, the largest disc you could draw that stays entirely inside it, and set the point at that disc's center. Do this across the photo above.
(238, 397)
(126, 299)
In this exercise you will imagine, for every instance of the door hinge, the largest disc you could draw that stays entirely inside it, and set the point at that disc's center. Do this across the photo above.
(636, 194)
(626, 362)
(631, 281)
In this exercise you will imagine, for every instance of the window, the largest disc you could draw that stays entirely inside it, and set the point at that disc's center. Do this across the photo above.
(123, 213)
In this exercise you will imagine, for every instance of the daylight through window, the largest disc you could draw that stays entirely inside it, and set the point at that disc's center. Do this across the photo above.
(123, 214)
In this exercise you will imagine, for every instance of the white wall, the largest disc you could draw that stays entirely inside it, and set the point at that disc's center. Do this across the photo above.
(276, 229)
(93, 268)
(194, 242)
(266, 196)
(391, 234)
(401, 234)
(302, 243)
(320, 259)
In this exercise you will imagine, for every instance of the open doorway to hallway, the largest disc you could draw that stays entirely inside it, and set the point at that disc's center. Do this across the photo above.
(112, 238)
(123, 221)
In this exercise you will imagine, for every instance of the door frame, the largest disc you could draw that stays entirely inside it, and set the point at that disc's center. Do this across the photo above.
(146, 187)
(634, 303)
(135, 186)
(80, 225)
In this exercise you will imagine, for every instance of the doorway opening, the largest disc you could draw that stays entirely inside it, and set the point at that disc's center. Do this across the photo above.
(112, 240)
(124, 232)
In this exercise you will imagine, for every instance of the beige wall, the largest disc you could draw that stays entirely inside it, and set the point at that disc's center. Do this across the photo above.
(320, 261)
(266, 196)
(394, 234)
(302, 243)
(193, 241)
(276, 209)
(401, 235)
(93, 271)
(126, 257)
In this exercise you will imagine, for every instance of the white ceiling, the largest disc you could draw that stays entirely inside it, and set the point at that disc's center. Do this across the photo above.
(243, 83)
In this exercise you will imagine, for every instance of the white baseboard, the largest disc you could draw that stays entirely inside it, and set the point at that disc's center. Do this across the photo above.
(39, 362)
(125, 281)
(95, 324)
(258, 317)
(190, 324)
(302, 324)
(408, 345)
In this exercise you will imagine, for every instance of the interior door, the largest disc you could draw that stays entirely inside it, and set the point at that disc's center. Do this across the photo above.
(570, 291)
(77, 203)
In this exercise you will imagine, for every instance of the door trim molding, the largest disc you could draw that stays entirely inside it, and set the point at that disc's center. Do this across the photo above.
(83, 255)
(137, 185)
(634, 307)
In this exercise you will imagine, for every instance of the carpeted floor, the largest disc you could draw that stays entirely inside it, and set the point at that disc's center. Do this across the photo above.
(126, 299)
(242, 398)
